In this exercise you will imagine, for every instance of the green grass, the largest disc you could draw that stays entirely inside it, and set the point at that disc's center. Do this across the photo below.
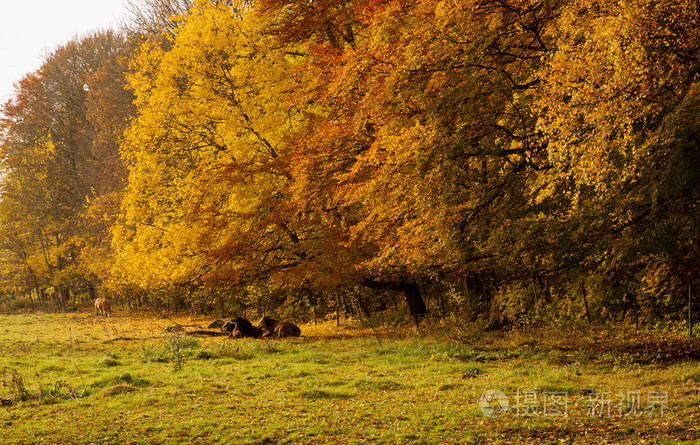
(83, 379)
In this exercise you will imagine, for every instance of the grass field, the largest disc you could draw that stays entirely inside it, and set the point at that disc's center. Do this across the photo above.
(77, 378)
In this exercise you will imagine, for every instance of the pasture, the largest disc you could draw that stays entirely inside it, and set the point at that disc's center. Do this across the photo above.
(78, 378)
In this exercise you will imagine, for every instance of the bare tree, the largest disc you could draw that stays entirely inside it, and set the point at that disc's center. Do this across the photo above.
(150, 18)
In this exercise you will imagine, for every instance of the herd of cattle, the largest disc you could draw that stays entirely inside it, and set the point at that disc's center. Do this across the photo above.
(238, 328)
(241, 328)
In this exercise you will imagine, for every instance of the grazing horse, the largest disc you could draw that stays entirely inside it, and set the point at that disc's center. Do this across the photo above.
(103, 307)
(240, 328)
(278, 328)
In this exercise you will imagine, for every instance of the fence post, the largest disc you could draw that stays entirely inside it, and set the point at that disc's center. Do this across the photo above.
(636, 315)
(690, 317)
(337, 309)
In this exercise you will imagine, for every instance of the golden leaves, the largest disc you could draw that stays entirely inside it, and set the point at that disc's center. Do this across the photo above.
(203, 148)
(604, 88)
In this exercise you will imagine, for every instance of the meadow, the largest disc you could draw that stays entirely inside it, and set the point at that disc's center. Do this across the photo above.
(77, 378)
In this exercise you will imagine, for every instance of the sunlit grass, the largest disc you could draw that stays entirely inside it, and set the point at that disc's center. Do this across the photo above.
(332, 385)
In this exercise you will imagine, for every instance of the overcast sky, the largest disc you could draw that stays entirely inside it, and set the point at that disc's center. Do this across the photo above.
(31, 29)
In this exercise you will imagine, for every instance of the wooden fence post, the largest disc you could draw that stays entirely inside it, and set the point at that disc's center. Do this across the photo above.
(636, 315)
(690, 316)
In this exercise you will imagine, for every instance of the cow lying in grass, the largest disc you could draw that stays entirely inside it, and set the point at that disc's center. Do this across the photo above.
(240, 328)
(278, 328)
(103, 307)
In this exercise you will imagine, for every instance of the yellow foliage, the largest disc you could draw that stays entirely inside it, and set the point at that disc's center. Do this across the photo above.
(202, 151)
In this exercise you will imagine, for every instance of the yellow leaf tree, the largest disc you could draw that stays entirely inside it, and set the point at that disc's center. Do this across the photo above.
(205, 152)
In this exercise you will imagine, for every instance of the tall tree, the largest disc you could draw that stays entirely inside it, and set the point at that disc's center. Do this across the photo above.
(619, 107)
(379, 144)
(57, 155)
(427, 150)
(204, 153)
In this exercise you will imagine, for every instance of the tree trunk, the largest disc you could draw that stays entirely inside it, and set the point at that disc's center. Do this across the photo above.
(92, 291)
(337, 309)
(348, 307)
(414, 299)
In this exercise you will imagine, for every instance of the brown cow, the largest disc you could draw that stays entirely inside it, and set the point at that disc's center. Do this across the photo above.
(103, 307)
(278, 328)
(240, 328)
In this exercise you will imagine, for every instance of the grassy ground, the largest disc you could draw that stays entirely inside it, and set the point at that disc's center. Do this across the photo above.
(82, 379)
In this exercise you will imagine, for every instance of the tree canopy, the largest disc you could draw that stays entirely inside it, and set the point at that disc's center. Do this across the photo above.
(479, 151)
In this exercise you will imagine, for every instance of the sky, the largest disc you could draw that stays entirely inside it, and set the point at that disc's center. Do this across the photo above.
(32, 29)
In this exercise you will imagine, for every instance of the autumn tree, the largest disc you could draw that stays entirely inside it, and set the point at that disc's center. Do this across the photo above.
(60, 156)
(426, 149)
(348, 143)
(618, 104)
(204, 155)
(496, 140)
